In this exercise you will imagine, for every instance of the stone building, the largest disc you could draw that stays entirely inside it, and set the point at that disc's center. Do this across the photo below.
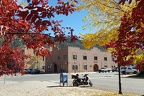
(74, 59)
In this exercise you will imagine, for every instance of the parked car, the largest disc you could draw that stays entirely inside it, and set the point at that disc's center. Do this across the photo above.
(32, 71)
(128, 70)
(104, 69)
(115, 69)
(27, 71)
(37, 71)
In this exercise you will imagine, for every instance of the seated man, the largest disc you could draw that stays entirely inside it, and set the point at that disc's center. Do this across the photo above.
(77, 77)
(85, 78)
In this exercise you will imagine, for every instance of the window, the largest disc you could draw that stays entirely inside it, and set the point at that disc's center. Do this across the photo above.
(84, 57)
(85, 67)
(64, 57)
(129, 68)
(58, 57)
(62, 68)
(74, 56)
(105, 58)
(95, 58)
(106, 66)
(113, 59)
(74, 67)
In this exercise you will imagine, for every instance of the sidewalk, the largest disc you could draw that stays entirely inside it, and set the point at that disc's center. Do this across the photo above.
(45, 88)
(3, 79)
(38, 88)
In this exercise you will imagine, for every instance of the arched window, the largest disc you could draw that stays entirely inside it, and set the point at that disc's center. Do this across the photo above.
(95, 58)
(85, 67)
(74, 56)
(84, 56)
(105, 57)
(74, 67)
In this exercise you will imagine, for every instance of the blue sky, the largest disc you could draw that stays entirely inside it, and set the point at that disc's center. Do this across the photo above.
(73, 20)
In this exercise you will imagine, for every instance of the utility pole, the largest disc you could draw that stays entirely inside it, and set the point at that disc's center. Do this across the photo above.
(120, 92)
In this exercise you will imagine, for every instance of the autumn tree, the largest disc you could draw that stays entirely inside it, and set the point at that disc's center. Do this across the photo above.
(103, 19)
(33, 23)
(123, 34)
(130, 38)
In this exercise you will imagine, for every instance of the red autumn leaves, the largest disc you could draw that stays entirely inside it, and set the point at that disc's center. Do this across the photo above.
(131, 34)
(33, 24)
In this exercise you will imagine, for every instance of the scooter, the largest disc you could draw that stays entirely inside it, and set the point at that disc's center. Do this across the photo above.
(81, 81)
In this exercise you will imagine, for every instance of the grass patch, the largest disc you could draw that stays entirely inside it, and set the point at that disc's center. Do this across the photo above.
(114, 94)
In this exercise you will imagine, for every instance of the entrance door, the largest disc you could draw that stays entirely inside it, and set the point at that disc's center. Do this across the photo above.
(55, 68)
(95, 67)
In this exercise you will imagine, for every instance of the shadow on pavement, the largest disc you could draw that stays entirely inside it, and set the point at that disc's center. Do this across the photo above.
(69, 86)
(57, 86)
(136, 76)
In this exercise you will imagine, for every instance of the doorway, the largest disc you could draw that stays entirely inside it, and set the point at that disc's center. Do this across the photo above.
(55, 68)
(95, 67)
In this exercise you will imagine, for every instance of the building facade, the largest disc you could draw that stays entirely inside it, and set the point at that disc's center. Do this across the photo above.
(36, 62)
(74, 59)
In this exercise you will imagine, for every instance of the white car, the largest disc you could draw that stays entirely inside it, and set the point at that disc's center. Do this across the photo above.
(104, 69)
(128, 70)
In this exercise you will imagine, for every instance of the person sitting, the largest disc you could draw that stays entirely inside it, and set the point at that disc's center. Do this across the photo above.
(77, 77)
(85, 78)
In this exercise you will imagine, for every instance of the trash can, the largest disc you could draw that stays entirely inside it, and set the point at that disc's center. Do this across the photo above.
(63, 78)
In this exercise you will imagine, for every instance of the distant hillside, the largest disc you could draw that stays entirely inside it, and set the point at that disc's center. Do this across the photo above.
(18, 42)
(76, 43)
